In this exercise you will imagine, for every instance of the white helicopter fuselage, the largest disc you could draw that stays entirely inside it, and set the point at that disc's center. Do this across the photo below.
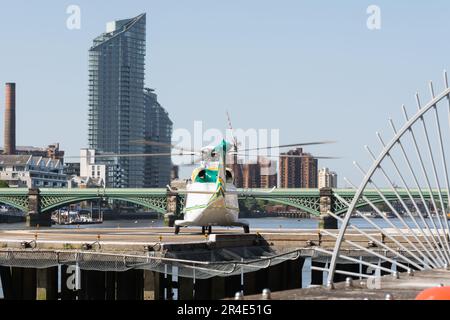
(211, 196)
(210, 208)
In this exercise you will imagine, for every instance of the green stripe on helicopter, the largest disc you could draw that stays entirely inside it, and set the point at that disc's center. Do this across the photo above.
(220, 192)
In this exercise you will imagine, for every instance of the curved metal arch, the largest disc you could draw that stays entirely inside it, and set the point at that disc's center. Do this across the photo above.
(386, 151)
(81, 199)
(376, 201)
(358, 205)
(142, 203)
(67, 201)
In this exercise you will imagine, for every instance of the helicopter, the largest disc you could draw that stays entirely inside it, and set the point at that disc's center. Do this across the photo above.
(212, 197)
(211, 194)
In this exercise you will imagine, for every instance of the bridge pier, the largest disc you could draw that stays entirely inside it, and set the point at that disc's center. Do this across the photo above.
(35, 217)
(172, 209)
(326, 206)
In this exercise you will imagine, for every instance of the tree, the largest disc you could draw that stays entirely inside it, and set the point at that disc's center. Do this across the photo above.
(3, 184)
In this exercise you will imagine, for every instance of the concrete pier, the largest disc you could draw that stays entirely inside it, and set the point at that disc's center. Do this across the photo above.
(35, 249)
(35, 217)
(326, 205)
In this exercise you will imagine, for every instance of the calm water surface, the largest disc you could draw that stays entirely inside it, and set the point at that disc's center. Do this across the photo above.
(257, 223)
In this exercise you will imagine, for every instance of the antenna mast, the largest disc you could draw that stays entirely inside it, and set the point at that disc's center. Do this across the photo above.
(230, 126)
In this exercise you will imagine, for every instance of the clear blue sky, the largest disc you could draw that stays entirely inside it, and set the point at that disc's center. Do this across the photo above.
(310, 68)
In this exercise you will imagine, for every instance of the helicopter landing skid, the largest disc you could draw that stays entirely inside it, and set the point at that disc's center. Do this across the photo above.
(208, 229)
(243, 224)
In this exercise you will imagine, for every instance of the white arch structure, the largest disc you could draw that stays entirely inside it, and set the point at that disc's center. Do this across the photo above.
(415, 157)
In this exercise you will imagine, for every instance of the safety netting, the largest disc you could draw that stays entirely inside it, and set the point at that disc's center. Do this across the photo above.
(200, 264)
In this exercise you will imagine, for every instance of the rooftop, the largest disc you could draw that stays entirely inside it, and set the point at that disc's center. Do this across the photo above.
(13, 160)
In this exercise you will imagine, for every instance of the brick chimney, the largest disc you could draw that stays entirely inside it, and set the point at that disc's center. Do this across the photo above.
(10, 119)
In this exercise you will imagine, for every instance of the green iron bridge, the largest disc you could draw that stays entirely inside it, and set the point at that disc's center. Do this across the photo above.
(314, 201)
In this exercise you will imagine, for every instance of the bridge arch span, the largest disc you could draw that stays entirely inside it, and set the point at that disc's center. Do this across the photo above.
(156, 204)
(312, 209)
(13, 203)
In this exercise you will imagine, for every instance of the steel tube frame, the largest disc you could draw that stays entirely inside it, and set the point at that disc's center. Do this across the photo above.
(407, 127)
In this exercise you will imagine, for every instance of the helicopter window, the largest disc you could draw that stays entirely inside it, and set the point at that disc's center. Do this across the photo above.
(206, 175)
(202, 174)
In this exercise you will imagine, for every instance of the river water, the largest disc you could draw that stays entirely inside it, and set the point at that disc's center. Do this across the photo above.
(255, 223)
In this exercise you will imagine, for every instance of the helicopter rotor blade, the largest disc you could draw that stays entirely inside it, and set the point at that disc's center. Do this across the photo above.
(162, 144)
(308, 156)
(132, 155)
(289, 145)
(290, 156)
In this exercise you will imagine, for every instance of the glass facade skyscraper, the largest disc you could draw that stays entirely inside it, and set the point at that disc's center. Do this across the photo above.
(158, 128)
(116, 101)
